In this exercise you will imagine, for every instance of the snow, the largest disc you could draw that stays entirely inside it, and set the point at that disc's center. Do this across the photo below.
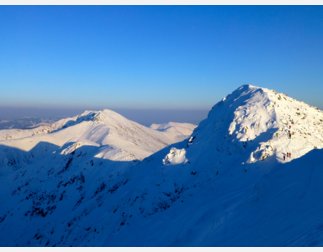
(79, 185)
(259, 120)
(106, 130)
(175, 157)
(180, 131)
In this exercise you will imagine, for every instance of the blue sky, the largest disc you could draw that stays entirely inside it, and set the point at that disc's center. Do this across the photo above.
(157, 57)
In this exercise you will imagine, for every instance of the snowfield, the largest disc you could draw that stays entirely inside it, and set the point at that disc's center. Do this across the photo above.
(174, 128)
(115, 137)
(250, 174)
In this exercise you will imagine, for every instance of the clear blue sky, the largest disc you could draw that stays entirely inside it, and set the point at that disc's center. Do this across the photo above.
(157, 57)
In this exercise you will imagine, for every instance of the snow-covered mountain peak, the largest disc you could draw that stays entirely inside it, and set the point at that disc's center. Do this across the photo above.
(112, 135)
(260, 123)
(104, 116)
(90, 115)
(196, 192)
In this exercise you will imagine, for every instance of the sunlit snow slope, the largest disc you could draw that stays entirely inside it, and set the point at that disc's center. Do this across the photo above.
(175, 128)
(226, 185)
(256, 123)
(115, 137)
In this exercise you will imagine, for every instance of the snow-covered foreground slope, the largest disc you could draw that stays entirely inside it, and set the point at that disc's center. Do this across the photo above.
(221, 187)
(115, 137)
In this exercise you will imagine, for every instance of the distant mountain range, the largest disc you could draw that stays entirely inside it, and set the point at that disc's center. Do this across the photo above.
(23, 123)
(250, 174)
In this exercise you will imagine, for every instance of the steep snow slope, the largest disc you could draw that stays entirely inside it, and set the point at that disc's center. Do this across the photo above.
(260, 123)
(214, 195)
(116, 137)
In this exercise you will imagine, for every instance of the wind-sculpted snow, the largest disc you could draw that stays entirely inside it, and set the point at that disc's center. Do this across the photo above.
(233, 189)
(175, 156)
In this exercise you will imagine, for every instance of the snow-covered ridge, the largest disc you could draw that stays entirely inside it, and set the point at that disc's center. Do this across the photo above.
(261, 123)
(116, 137)
(179, 130)
(81, 194)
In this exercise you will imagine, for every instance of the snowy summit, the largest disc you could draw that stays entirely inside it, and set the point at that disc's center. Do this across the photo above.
(262, 123)
(250, 174)
(114, 136)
